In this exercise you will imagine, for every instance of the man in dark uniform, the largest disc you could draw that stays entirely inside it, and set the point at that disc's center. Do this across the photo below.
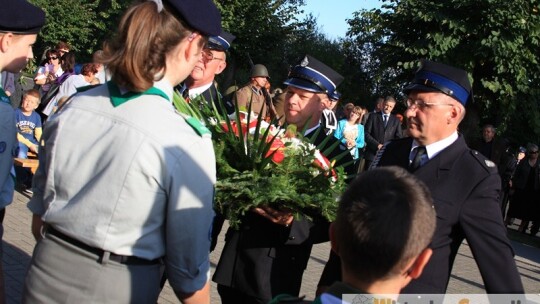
(269, 252)
(464, 184)
(328, 119)
(200, 83)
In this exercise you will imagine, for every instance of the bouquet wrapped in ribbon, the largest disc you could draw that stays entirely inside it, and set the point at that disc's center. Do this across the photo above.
(260, 164)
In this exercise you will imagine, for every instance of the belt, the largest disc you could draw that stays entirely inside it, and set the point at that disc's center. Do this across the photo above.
(104, 255)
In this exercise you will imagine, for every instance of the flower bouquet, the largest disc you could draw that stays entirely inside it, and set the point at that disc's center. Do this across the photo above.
(260, 164)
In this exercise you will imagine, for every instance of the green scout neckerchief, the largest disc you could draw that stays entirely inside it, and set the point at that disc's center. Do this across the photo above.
(117, 98)
(3, 97)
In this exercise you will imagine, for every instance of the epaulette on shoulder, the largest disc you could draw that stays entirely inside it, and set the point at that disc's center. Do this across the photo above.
(484, 162)
(86, 88)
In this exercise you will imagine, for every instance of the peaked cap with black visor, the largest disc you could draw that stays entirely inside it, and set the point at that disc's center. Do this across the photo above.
(222, 42)
(314, 76)
(439, 77)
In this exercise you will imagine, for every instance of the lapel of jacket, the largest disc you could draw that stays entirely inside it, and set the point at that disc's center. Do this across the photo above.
(439, 167)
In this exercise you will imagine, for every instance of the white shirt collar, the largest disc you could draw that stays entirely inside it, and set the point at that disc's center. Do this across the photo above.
(194, 92)
(435, 148)
(308, 131)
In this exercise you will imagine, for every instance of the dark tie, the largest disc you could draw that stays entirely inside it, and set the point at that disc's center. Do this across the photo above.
(417, 160)
(185, 94)
(385, 119)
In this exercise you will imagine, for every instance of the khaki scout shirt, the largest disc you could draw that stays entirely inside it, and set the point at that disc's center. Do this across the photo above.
(134, 180)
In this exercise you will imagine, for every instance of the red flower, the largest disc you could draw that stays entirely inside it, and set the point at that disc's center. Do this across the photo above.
(323, 164)
(278, 146)
(244, 126)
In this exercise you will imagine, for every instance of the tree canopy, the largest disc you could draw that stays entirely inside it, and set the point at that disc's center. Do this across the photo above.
(82, 24)
(496, 41)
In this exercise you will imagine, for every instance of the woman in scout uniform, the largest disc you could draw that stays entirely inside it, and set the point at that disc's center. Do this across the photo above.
(125, 184)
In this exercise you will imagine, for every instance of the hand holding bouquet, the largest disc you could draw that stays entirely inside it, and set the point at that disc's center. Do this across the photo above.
(260, 165)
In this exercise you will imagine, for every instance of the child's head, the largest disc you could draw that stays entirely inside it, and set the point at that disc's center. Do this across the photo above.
(384, 224)
(30, 101)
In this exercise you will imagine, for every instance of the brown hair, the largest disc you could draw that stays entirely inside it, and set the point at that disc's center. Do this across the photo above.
(88, 69)
(358, 110)
(385, 219)
(68, 62)
(138, 52)
(63, 45)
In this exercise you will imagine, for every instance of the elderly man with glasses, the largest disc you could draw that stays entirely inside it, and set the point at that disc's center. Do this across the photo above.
(200, 83)
(464, 184)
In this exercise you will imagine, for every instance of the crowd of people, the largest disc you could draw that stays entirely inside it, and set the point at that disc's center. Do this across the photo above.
(113, 151)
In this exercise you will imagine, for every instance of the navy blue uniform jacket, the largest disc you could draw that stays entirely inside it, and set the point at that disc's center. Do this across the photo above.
(465, 191)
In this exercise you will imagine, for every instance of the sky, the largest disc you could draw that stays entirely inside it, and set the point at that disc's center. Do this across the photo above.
(331, 14)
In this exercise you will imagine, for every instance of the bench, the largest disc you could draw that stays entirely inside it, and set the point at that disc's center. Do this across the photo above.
(31, 162)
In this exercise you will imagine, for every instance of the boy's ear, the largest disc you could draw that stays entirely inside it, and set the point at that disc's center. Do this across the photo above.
(333, 241)
(417, 266)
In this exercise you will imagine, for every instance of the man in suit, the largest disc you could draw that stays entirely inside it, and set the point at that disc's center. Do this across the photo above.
(380, 128)
(269, 252)
(464, 184)
(200, 83)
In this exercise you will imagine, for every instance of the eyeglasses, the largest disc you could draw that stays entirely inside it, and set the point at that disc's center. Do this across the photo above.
(533, 152)
(53, 58)
(420, 104)
(209, 56)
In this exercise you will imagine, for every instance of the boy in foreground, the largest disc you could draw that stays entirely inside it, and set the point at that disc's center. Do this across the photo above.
(384, 225)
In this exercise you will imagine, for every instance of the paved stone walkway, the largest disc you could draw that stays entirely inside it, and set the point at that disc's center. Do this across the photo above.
(18, 245)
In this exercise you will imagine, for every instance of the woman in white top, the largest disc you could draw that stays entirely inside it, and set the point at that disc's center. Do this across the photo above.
(49, 71)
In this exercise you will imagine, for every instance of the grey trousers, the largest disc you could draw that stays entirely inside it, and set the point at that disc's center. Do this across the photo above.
(62, 273)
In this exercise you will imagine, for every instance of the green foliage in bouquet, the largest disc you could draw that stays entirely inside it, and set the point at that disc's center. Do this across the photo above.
(258, 164)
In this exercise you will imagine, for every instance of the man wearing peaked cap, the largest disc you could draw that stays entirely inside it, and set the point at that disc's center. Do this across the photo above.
(268, 254)
(200, 83)
(20, 22)
(442, 78)
(465, 185)
(315, 79)
(328, 117)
